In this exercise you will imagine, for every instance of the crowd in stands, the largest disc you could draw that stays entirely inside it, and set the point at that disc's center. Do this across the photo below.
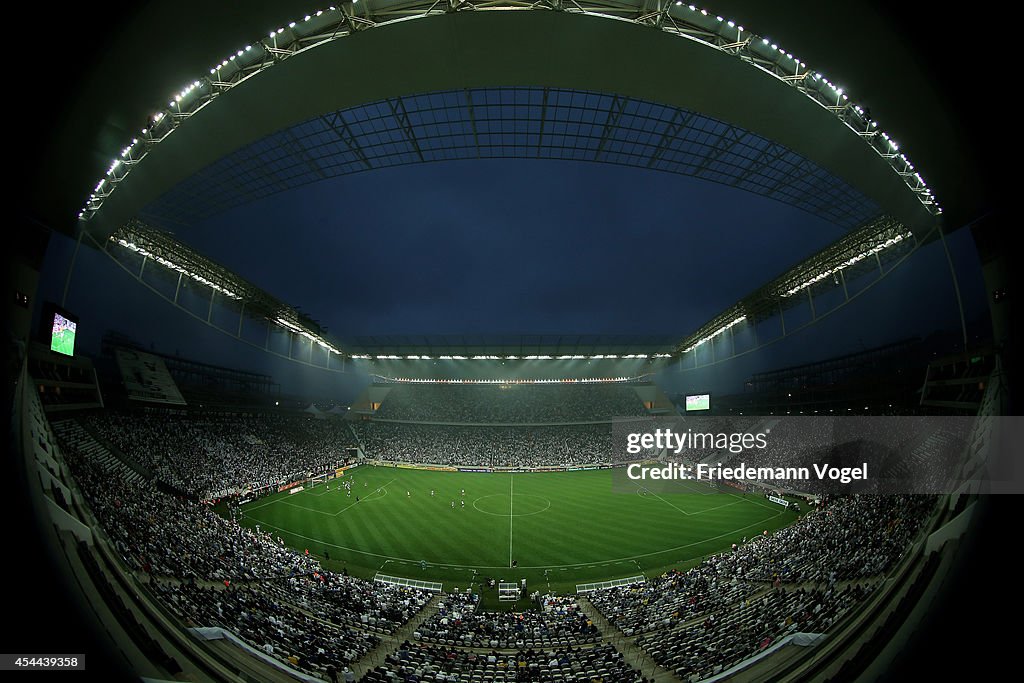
(345, 600)
(419, 662)
(305, 641)
(558, 622)
(511, 403)
(904, 454)
(727, 637)
(670, 599)
(164, 535)
(208, 454)
(843, 539)
(213, 572)
(932, 463)
(488, 446)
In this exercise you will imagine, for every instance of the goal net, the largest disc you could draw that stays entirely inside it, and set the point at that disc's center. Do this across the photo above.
(508, 591)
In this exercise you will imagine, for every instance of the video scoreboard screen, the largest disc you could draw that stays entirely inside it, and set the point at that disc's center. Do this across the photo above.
(698, 402)
(62, 338)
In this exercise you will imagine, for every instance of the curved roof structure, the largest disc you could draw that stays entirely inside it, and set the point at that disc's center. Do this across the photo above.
(512, 123)
(760, 108)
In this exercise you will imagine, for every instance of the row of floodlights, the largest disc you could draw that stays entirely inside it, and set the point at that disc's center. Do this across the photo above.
(175, 102)
(287, 324)
(839, 93)
(175, 267)
(167, 263)
(892, 241)
(567, 380)
(364, 356)
(96, 197)
(717, 332)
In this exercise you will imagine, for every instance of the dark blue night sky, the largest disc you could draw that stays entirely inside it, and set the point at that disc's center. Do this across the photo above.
(514, 247)
(510, 246)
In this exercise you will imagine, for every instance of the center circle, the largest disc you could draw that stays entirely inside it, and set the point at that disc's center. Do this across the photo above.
(520, 504)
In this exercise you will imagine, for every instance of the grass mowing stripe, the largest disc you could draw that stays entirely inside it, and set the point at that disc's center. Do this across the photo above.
(665, 501)
(511, 478)
(359, 500)
(303, 507)
(571, 525)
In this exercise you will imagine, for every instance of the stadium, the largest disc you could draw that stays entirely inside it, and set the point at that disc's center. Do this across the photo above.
(507, 341)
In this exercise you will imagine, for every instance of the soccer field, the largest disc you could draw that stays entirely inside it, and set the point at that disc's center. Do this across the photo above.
(559, 528)
(64, 342)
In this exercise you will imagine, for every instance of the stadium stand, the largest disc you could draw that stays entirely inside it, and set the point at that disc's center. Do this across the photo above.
(211, 572)
(64, 383)
(670, 599)
(76, 437)
(843, 539)
(412, 662)
(557, 623)
(307, 642)
(488, 446)
(212, 455)
(706, 648)
(344, 600)
(510, 403)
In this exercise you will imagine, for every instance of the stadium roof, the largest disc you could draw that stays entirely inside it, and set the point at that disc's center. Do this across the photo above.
(783, 126)
(187, 265)
(296, 75)
(512, 123)
(873, 248)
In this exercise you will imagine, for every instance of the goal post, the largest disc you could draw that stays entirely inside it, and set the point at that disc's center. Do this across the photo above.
(317, 480)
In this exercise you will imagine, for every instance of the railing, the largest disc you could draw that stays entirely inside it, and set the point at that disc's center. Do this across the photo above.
(431, 586)
(614, 583)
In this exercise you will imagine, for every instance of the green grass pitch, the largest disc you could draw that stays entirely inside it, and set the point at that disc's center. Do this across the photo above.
(63, 342)
(561, 528)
